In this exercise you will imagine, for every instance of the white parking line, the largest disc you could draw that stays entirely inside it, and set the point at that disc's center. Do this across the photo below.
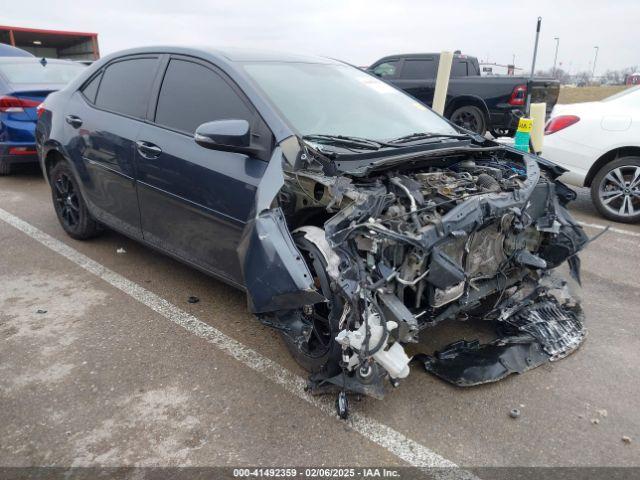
(398, 444)
(611, 229)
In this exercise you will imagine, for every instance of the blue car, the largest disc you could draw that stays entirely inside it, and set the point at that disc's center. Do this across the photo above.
(24, 84)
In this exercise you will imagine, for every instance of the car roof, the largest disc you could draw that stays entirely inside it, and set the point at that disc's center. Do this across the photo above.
(228, 54)
(417, 56)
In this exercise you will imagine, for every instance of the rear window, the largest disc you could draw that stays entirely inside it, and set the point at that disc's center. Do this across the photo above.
(126, 85)
(22, 72)
(418, 69)
(459, 69)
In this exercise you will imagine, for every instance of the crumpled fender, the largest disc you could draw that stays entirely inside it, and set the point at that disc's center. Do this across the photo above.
(275, 274)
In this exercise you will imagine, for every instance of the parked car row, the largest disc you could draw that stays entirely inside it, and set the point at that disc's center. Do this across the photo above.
(477, 103)
(351, 214)
(25, 81)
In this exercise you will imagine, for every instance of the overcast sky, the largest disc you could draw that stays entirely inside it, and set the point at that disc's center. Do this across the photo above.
(358, 31)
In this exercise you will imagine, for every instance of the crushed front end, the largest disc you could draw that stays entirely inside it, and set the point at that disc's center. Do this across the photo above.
(397, 247)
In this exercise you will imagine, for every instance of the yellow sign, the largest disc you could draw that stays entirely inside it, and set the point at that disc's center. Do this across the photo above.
(525, 124)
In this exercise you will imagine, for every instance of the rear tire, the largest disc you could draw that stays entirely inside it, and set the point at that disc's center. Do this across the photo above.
(615, 190)
(5, 169)
(314, 356)
(471, 118)
(69, 204)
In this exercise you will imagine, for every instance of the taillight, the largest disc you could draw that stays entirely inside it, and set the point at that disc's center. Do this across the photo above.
(22, 151)
(518, 96)
(560, 122)
(40, 110)
(16, 105)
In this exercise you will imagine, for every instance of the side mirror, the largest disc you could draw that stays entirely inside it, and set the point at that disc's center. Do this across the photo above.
(228, 135)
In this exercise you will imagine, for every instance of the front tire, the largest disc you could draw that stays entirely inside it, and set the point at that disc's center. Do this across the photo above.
(471, 118)
(615, 190)
(69, 204)
(321, 352)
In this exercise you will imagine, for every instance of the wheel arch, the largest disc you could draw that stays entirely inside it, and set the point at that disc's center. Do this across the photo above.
(608, 157)
(464, 100)
(52, 157)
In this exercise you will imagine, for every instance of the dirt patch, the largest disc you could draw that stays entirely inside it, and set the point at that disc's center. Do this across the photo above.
(41, 316)
(588, 94)
(156, 422)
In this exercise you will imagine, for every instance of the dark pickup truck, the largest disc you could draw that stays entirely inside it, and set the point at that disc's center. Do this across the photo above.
(474, 102)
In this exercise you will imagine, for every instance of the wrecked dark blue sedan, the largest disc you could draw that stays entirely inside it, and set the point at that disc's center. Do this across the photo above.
(354, 217)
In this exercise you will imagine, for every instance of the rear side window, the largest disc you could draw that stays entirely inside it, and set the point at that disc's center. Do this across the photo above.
(459, 69)
(192, 94)
(387, 69)
(418, 69)
(91, 88)
(126, 85)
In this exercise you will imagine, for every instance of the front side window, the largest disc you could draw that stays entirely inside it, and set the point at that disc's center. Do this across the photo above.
(192, 94)
(418, 69)
(126, 85)
(386, 69)
(338, 99)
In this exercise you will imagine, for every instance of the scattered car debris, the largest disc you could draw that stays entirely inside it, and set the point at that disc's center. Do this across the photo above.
(41, 311)
(595, 421)
(407, 245)
(626, 439)
(121, 250)
(602, 412)
(514, 413)
(193, 299)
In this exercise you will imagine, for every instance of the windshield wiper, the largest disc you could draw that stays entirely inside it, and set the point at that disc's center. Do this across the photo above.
(348, 142)
(424, 136)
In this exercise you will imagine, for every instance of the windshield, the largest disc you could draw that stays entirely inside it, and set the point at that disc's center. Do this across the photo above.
(23, 72)
(334, 99)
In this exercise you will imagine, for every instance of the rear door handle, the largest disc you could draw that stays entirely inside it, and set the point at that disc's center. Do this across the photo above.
(73, 120)
(148, 150)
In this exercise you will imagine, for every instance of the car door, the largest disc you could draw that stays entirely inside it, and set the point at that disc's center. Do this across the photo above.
(107, 114)
(418, 78)
(194, 202)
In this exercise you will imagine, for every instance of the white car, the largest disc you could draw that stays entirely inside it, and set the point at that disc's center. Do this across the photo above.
(599, 143)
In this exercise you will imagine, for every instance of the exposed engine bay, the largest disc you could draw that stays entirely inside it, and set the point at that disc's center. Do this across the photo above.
(394, 249)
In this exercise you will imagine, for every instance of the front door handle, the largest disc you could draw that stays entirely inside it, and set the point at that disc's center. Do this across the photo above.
(73, 120)
(148, 150)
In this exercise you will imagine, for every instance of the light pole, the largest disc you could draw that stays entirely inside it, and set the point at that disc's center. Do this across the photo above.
(595, 58)
(555, 58)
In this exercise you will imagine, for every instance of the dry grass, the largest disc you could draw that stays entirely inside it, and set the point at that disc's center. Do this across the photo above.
(587, 94)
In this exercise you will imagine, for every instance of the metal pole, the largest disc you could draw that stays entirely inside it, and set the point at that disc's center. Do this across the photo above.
(593, 73)
(555, 58)
(533, 65)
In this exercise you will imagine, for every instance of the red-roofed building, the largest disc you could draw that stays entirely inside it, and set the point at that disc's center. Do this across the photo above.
(633, 79)
(52, 43)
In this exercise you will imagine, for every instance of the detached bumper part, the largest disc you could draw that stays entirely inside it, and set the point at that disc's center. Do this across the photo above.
(544, 331)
